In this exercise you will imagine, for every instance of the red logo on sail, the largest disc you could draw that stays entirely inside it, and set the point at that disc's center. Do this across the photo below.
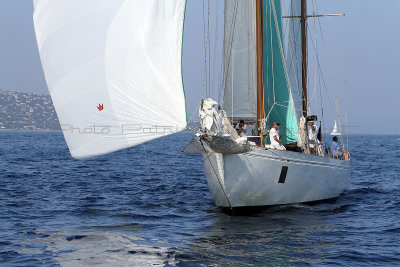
(100, 107)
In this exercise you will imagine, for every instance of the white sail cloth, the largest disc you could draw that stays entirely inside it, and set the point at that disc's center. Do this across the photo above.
(210, 121)
(216, 133)
(335, 130)
(240, 59)
(113, 69)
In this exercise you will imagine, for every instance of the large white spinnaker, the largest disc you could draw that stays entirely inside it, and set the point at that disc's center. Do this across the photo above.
(240, 80)
(113, 69)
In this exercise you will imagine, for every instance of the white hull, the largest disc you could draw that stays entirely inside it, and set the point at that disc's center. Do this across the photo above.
(257, 178)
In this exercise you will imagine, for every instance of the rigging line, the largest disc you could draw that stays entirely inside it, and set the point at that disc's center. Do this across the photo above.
(250, 52)
(221, 74)
(291, 65)
(283, 60)
(252, 70)
(313, 42)
(252, 59)
(228, 45)
(209, 48)
(340, 124)
(322, 107)
(233, 65)
(346, 89)
(294, 63)
(269, 112)
(311, 96)
(272, 54)
(205, 53)
(172, 173)
(293, 132)
(221, 63)
(229, 48)
(317, 66)
(329, 67)
(281, 104)
(267, 73)
(321, 75)
(292, 47)
(231, 57)
(149, 177)
(314, 58)
(319, 24)
(207, 66)
(221, 48)
(323, 78)
(216, 175)
(215, 48)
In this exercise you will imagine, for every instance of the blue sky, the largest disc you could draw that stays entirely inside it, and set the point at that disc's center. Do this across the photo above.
(361, 48)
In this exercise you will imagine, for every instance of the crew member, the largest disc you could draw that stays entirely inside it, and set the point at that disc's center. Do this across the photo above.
(275, 137)
(241, 128)
(336, 152)
(315, 145)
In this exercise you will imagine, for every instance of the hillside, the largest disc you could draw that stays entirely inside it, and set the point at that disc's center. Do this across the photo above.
(27, 111)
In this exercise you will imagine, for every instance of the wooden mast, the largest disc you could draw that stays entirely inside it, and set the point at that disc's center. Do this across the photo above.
(304, 55)
(260, 64)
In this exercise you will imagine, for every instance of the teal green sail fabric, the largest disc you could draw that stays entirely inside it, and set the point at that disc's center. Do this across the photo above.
(278, 101)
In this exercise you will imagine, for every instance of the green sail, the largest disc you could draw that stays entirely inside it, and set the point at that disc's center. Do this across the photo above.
(278, 101)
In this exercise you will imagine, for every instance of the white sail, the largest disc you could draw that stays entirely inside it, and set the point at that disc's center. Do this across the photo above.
(335, 130)
(240, 80)
(113, 69)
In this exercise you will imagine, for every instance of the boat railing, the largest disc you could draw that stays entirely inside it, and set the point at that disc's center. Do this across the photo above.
(342, 155)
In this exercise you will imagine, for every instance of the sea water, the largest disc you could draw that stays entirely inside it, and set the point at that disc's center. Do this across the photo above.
(150, 206)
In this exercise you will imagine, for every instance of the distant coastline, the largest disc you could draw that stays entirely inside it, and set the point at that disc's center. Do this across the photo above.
(27, 111)
(24, 130)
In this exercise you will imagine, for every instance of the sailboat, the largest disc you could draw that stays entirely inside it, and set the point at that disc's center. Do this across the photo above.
(114, 72)
(335, 130)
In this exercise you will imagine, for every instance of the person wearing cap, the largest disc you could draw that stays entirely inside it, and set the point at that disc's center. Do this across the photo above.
(274, 137)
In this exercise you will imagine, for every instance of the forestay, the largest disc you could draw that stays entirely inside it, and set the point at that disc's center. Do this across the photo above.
(240, 80)
(113, 69)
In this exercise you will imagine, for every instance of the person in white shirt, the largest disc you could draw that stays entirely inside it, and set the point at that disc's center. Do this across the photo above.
(274, 137)
(315, 145)
(241, 128)
(312, 129)
(250, 128)
(336, 152)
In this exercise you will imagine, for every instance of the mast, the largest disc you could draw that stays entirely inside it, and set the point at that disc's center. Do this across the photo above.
(260, 63)
(304, 55)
